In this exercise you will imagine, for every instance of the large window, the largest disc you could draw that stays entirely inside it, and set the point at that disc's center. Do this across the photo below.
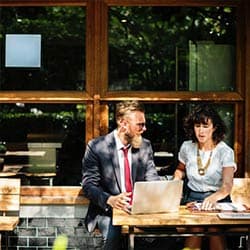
(83, 56)
(43, 140)
(172, 48)
(155, 51)
(164, 123)
(62, 53)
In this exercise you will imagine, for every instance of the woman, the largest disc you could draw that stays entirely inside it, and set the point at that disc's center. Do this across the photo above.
(208, 164)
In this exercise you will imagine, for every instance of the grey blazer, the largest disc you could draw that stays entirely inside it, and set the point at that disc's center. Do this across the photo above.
(101, 173)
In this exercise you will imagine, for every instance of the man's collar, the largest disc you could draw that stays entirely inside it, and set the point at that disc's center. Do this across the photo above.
(118, 142)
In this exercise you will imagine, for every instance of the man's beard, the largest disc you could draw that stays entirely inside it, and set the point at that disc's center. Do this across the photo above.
(135, 141)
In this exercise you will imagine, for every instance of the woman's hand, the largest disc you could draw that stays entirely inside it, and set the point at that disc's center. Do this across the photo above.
(209, 203)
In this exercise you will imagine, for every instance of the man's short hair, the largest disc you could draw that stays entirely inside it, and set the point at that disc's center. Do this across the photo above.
(125, 107)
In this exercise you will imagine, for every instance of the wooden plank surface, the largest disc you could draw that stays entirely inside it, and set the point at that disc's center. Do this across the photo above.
(8, 223)
(9, 203)
(9, 186)
(9, 194)
(182, 218)
(74, 194)
(49, 195)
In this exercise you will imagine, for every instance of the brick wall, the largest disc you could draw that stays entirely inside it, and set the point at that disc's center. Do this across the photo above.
(40, 225)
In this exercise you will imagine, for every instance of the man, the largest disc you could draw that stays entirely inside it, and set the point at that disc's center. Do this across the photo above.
(104, 178)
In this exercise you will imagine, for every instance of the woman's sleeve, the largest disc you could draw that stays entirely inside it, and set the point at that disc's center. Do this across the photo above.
(228, 159)
(182, 156)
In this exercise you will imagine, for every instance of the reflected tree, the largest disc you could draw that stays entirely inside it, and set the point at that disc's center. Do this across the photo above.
(147, 44)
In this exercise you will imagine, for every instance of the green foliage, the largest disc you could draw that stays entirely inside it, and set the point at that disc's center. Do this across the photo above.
(3, 147)
(39, 119)
(51, 22)
(144, 42)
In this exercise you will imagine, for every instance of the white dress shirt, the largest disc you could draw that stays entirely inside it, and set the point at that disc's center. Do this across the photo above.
(119, 147)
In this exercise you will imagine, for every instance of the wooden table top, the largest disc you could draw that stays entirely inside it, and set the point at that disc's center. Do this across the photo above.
(25, 153)
(10, 170)
(184, 217)
(13, 170)
(8, 223)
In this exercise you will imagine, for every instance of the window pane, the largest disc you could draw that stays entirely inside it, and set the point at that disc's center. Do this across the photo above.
(172, 48)
(164, 123)
(56, 132)
(62, 31)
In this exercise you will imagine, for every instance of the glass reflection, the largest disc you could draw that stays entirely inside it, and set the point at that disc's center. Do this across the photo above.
(62, 48)
(164, 124)
(172, 48)
(43, 142)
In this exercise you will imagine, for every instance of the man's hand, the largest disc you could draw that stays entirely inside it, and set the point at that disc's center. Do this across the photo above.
(120, 201)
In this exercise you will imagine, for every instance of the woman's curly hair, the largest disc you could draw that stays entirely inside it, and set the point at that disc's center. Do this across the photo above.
(200, 115)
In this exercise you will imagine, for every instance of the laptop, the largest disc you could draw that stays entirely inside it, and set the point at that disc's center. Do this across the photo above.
(156, 196)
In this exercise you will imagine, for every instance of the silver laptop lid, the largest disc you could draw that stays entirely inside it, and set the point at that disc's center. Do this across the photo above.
(157, 196)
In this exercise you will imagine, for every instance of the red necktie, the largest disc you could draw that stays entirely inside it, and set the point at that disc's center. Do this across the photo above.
(128, 182)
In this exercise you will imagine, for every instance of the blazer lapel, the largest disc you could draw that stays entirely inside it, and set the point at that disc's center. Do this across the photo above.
(135, 161)
(114, 159)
